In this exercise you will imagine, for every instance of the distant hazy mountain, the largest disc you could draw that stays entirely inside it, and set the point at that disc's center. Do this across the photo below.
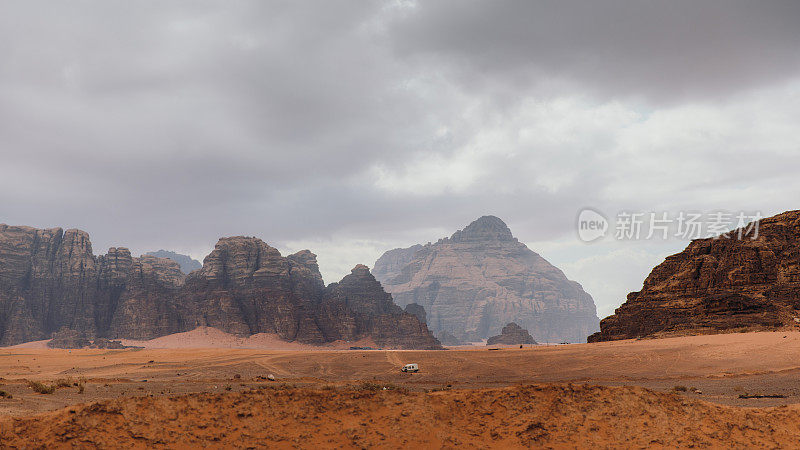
(187, 264)
(475, 282)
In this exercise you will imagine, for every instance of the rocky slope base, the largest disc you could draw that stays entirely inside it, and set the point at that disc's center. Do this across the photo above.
(512, 334)
(367, 416)
(49, 280)
(481, 278)
(718, 285)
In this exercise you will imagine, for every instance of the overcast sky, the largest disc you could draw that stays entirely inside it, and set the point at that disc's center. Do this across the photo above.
(350, 128)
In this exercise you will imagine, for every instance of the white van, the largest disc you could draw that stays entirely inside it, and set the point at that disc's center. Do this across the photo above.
(410, 368)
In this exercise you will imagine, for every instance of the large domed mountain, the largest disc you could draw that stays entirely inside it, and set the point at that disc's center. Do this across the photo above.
(481, 278)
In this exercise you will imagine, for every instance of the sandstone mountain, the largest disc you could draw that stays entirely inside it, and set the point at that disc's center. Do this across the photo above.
(186, 263)
(480, 279)
(512, 334)
(718, 284)
(50, 280)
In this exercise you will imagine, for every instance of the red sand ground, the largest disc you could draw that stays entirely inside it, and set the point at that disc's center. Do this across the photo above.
(201, 384)
(517, 417)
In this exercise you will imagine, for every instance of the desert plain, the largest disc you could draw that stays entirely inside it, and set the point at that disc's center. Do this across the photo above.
(738, 389)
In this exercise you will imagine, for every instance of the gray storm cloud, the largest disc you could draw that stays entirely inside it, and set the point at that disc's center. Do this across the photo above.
(354, 127)
(664, 51)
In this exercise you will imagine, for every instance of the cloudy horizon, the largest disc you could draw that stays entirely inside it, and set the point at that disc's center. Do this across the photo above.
(350, 128)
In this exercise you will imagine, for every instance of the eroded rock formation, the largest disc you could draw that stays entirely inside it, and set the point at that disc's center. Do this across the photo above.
(481, 278)
(50, 280)
(375, 314)
(716, 285)
(512, 334)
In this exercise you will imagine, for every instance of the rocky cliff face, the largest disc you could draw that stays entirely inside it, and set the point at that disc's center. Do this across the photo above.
(375, 314)
(247, 287)
(716, 285)
(482, 278)
(512, 334)
(187, 264)
(51, 281)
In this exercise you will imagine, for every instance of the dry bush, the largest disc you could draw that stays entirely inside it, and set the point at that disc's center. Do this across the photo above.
(4, 394)
(41, 388)
(63, 382)
(680, 388)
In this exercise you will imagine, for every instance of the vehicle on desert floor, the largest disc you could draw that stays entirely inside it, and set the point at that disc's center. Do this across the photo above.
(410, 368)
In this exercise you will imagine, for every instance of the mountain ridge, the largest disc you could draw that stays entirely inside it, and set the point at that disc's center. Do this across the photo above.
(50, 280)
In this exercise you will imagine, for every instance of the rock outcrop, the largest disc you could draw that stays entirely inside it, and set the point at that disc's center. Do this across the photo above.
(717, 285)
(51, 281)
(71, 339)
(187, 264)
(67, 339)
(512, 334)
(482, 278)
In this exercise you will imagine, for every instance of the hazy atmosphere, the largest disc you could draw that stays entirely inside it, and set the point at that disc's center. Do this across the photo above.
(350, 128)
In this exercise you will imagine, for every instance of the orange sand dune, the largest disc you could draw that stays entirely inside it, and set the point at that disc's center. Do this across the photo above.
(368, 416)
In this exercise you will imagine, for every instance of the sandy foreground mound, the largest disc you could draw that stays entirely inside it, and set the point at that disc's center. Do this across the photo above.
(367, 415)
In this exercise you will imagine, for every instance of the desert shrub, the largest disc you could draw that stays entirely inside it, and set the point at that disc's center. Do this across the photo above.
(41, 388)
(4, 394)
(63, 382)
(440, 389)
(679, 388)
(80, 388)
